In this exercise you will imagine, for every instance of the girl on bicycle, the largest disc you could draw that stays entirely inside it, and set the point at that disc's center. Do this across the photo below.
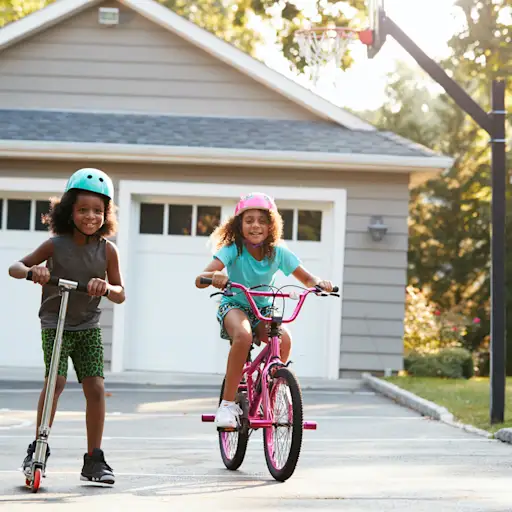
(80, 222)
(249, 245)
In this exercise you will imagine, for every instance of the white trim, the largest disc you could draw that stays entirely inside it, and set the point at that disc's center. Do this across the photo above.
(227, 53)
(129, 188)
(41, 19)
(140, 153)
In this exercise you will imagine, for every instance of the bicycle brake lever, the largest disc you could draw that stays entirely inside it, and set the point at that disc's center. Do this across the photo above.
(216, 293)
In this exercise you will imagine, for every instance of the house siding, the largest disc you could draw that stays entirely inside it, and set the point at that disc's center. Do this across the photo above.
(374, 274)
(136, 66)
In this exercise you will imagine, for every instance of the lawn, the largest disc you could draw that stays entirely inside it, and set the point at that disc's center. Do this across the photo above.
(467, 400)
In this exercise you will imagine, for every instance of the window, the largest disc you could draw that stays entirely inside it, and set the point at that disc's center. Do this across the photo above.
(208, 218)
(310, 225)
(287, 216)
(18, 214)
(42, 207)
(151, 219)
(302, 225)
(180, 219)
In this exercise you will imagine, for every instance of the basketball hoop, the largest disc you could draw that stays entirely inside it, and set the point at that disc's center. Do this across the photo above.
(321, 45)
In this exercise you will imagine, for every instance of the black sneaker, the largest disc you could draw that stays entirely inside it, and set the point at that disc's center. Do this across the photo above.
(96, 469)
(26, 467)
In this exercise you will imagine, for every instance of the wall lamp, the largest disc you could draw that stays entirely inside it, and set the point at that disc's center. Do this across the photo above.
(377, 228)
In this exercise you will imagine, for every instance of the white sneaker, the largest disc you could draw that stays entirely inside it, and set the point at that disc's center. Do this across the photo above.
(228, 415)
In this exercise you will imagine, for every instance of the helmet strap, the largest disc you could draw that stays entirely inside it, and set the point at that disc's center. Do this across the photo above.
(253, 246)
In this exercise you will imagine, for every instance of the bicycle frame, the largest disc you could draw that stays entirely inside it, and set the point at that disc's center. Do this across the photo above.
(269, 356)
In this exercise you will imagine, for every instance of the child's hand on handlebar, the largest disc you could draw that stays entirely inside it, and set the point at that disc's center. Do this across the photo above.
(96, 287)
(40, 274)
(219, 280)
(327, 286)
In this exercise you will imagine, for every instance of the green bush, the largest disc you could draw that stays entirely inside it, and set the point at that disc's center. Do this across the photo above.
(452, 363)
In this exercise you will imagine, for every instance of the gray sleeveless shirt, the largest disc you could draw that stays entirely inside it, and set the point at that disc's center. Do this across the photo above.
(77, 263)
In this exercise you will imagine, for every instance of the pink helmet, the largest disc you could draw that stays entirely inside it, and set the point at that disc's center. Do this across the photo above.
(255, 201)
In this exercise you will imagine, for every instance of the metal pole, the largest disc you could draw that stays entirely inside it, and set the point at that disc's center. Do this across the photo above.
(498, 290)
(455, 91)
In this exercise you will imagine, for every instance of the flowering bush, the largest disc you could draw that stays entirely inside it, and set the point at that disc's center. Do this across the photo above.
(427, 329)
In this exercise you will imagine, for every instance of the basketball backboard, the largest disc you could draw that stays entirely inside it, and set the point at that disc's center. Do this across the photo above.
(376, 15)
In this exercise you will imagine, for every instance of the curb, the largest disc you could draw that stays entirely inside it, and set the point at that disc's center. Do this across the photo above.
(427, 408)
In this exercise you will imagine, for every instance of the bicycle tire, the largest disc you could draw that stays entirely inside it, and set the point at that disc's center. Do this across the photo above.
(234, 462)
(286, 471)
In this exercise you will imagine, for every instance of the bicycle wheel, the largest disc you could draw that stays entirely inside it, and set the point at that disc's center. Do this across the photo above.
(286, 408)
(233, 445)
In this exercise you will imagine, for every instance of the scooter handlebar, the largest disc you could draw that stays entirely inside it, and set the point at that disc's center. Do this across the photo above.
(81, 287)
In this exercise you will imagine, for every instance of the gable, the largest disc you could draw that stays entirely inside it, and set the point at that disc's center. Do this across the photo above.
(137, 66)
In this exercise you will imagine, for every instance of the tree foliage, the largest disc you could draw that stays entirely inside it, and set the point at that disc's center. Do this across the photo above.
(450, 217)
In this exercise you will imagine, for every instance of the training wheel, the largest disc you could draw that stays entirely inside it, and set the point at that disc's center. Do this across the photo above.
(37, 480)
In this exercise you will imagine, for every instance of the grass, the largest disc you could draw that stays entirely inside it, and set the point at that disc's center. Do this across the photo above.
(467, 400)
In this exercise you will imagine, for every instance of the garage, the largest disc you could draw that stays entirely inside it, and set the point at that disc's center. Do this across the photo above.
(22, 201)
(170, 325)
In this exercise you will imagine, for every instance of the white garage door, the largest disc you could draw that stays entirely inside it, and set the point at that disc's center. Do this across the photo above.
(21, 232)
(172, 325)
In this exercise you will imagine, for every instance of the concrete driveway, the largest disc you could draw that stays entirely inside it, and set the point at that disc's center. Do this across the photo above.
(368, 454)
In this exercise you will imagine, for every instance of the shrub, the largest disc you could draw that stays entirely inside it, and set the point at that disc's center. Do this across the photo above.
(451, 362)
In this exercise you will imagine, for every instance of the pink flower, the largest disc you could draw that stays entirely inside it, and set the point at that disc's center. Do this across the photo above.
(454, 329)
(476, 320)
(437, 312)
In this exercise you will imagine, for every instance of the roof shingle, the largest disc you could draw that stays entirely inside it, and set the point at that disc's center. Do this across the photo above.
(212, 132)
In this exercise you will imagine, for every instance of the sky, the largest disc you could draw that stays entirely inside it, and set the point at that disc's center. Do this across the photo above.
(430, 23)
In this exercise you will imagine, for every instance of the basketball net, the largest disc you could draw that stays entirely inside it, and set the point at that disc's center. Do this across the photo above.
(327, 45)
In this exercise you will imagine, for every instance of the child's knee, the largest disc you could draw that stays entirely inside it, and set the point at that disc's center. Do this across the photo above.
(242, 338)
(60, 385)
(94, 388)
(286, 337)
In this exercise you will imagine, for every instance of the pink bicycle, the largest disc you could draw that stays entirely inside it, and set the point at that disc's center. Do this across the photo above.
(269, 394)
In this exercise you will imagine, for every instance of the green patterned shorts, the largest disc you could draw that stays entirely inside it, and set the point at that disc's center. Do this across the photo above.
(85, 348)
(225, 308)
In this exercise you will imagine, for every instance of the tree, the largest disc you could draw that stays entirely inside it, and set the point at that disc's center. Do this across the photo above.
(449, 251)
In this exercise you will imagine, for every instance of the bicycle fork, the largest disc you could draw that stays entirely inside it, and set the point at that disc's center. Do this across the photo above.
(44, 429)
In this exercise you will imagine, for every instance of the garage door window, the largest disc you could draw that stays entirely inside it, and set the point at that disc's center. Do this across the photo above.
(178, 219)
(23, 214)
(302, 225)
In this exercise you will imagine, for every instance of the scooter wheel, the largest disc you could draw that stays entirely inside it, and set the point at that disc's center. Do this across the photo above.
(37, 480)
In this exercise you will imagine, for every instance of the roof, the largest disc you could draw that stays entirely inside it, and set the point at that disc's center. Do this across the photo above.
(201, 38)
(204, 132)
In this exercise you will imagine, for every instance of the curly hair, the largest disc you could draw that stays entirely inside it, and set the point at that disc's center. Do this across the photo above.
(231, 232)
(61, 212)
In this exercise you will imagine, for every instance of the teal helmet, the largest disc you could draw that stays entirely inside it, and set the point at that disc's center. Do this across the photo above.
(92, 180)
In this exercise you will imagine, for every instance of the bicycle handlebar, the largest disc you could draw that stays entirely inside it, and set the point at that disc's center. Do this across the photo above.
(250, 294)
(57, 281)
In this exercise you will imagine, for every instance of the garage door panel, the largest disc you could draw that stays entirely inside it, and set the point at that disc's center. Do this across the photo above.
(20, 304)
(173, 325)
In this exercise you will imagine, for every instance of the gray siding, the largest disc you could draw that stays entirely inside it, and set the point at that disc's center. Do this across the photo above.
(375, 272)
(134, 67)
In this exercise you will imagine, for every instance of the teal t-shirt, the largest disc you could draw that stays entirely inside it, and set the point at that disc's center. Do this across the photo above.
(245, 269)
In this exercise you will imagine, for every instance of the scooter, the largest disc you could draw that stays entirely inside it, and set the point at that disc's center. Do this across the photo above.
(39, 459)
